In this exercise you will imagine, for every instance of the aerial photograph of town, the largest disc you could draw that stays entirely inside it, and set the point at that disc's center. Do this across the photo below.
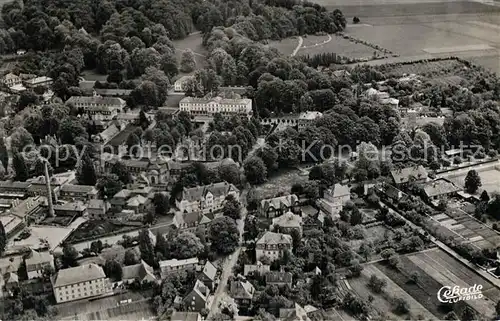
(271, 160)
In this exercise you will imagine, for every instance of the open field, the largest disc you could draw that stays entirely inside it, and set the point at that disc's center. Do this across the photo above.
(338, 45)
(193, 42)
(285, 46)
(490, 179)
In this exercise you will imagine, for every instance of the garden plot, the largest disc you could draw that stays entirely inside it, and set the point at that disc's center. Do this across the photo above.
(383, 301)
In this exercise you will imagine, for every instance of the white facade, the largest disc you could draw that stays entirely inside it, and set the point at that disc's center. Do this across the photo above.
(206, 198)
(273, 245)
(36, 263)
(99, 108)
(211, 106)
(11, 80)
(80, 282)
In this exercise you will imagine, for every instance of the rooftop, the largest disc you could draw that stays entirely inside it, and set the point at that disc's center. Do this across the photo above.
(279, 277)
(217, 190)
(404, 175)
(70, 188)
(175, 262)
(440, 187)
(275, 238)
(216, 100)
(96, 100)
(278, 202)
(78, 274)
(210, 270)
(38, 80)
(289, 220)
(185, 316)
(137, 271)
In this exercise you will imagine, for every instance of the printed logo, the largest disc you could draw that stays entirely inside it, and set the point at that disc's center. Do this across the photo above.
(448, 294)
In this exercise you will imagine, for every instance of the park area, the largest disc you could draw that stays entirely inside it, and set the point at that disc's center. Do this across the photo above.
(193, 42)
(490, 178)
(337, 44)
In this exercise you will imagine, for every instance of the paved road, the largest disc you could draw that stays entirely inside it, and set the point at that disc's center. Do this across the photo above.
(229, 263)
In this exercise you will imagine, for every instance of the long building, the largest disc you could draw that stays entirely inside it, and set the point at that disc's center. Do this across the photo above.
(81, 282)
(211, 106)
(98, 107)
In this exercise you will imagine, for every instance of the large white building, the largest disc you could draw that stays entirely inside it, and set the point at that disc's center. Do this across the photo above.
(211, 106)
(273, 245)
(97, 107)
(81, 282)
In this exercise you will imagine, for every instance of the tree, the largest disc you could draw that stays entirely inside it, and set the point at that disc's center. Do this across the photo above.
(71, 128)
(188, 62)
(21, 139)
(120, 170)
(229, 173)
(96, 246)
(255, 170)
(376, 284)
(186, 245)
(109, 185)
(485, 197)
(19, 165)
(85, 173)
(3, 238)
(4, 154)
(130, 257)
(232, 207)
(414, 277)
(224, 235)
(69, 255)
(161, 203)
(401, 306)
(27, 98)
(468, 314)
(356, 217)
(146, 248)
(113, 270)
(355, 20)
(472, 181)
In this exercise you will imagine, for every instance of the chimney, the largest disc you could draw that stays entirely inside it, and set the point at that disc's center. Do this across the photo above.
(49, 193)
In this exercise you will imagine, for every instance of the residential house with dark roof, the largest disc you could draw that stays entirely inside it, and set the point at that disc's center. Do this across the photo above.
(78, 192)
(403, 176)
(36, 262)
(141, 272)
(137, 200)
(206, 198)
(273, 207)
(286, 223)
(194, 222)
(242, 291)
(81, 282)
(273, 245)
(197, 299)
(279, 278)
(208, 275)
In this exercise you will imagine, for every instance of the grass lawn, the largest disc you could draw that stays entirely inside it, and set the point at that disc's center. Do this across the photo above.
(93, 75)
(285, 46)
(193, 42)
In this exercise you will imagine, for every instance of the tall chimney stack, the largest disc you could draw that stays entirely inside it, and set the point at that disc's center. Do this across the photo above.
(49, 192)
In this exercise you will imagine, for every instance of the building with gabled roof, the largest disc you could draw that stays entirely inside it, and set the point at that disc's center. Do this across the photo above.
(273, 245)
(14, 189)
(279, 278)
(402, 176)
(81, 282)
(36, 262)
(208, 275)
(287, 222)
(259, 268)
(11, 79)
(197, 299)
(141, 272)
(242, 291)
(440, 188)
(216, 105)
(78, 192)
(277, 206)
(206, 198)
(295, 313)
(38, 82)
